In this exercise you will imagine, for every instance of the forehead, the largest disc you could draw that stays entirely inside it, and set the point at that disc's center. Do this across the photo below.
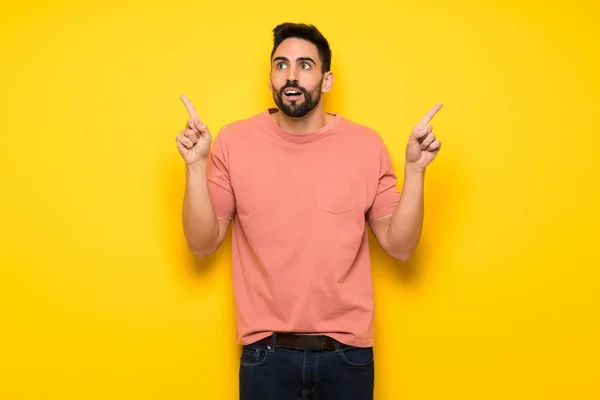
(293, 48)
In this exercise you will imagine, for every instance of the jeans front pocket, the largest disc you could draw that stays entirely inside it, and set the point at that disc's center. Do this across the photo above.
(253, 355)
(357, 356)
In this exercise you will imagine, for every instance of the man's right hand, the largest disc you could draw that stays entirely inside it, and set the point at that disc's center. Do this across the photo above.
(193, 142)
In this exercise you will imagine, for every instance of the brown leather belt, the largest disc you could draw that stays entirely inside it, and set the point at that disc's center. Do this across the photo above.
(302, 342)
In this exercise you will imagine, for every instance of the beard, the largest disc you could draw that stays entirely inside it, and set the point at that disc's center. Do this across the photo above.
(298, 108)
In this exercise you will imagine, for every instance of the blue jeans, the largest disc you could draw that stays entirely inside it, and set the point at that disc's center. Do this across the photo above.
(277, 373)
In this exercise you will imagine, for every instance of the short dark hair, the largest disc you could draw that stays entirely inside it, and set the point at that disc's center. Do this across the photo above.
(307, 32)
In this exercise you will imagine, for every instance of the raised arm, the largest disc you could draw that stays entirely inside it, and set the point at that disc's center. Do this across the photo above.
(203, 229)
(399, 233)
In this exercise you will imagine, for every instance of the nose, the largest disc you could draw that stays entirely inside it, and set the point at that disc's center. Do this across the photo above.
(292, 74)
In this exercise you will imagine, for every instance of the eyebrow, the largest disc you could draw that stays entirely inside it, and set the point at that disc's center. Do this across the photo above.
(281, 58)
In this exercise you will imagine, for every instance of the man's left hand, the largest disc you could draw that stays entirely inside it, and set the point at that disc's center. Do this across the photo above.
(422, 144)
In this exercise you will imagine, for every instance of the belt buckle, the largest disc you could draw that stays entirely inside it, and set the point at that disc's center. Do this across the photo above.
(311, 342)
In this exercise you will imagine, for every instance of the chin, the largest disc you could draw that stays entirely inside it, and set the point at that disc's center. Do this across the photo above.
(296, 111)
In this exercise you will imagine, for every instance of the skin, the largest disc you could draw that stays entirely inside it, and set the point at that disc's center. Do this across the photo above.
(399, 233)
(297, 60)
(203, 230)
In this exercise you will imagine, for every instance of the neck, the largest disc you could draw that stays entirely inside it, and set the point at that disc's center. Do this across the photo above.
(311, 122)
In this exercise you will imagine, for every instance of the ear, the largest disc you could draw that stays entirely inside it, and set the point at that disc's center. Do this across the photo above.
(327, 82)
(270, 83)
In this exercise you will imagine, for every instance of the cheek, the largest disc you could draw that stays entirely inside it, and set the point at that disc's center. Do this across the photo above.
(312, 82)
(278, 75)
(316, 87)
(276, 82)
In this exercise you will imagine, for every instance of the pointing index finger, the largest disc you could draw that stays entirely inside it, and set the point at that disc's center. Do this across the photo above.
(431, 113)
(189, 106)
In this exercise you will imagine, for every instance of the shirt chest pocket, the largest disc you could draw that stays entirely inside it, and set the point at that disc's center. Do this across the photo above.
(336, 193)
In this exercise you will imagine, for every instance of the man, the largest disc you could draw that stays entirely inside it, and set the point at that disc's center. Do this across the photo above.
(300, 185)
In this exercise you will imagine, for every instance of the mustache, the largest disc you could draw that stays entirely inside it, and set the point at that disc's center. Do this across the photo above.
(294, 85)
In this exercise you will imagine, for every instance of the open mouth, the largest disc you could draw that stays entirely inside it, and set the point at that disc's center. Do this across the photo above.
(292, 94)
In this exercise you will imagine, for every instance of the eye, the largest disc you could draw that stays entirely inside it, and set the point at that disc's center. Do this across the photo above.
(305, 66)
(281, 65)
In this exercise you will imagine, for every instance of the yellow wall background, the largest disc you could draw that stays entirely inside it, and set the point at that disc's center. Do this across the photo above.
(99, 298)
